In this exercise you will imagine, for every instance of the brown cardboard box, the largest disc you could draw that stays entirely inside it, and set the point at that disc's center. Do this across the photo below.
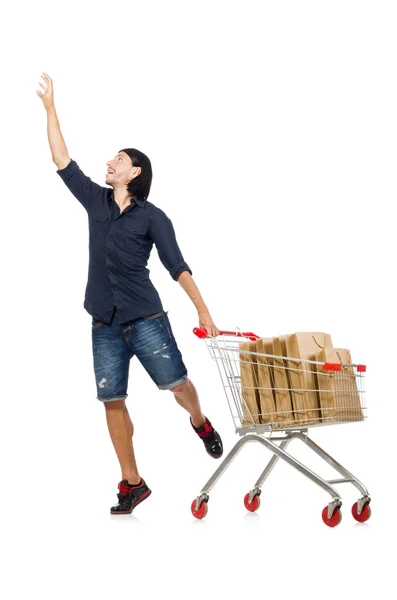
(302, 375)
(338, 393)
(282, 385)
(266, 382)
(249, 384)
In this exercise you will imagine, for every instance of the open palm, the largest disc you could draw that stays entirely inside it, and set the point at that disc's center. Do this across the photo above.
(48, 95)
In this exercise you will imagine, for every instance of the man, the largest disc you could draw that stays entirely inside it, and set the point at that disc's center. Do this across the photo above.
(127, 314)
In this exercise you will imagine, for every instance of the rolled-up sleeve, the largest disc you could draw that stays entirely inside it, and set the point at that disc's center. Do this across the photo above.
(163, 235)
(81, 186)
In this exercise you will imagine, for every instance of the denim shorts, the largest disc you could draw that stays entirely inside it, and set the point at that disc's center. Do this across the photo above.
(150, 339)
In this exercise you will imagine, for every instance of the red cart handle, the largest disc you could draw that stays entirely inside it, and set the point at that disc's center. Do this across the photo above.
(202, 333)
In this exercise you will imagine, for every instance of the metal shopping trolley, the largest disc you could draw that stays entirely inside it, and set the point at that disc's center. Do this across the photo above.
(273, 400)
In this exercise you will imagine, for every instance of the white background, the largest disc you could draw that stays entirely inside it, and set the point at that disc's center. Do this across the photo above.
(271, 127)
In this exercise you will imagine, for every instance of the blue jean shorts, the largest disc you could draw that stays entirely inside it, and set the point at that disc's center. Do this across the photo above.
(150, 339)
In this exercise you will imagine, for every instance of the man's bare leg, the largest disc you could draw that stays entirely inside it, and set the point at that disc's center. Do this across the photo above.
(121, 431)
(186, 395)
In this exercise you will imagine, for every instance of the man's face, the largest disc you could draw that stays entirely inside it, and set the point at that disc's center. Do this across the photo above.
(120, 170)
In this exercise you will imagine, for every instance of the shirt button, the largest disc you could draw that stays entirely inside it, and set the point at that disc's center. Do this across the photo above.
(108, 255)
(114, 287)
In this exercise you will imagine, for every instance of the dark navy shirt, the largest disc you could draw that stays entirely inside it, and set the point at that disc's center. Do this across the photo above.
(119, 249)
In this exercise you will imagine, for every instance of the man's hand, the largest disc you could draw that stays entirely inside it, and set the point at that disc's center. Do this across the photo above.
(206, 322)
(48, 96)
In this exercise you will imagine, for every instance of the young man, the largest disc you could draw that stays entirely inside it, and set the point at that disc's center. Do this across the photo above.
(127, 314)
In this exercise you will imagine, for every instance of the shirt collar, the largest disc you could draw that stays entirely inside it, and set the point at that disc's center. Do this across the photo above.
(134, 199)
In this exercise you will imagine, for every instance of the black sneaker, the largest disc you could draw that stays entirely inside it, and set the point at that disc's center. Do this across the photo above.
(129, 496)
(211, 438)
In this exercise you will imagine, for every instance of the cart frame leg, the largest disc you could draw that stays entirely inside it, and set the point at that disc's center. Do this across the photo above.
(347, 476)
(256, 490)
(221, 469)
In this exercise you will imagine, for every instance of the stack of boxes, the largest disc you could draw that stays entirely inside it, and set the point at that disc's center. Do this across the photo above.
(288, 392)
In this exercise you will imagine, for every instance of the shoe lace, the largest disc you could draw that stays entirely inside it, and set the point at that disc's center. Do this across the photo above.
(124, 491)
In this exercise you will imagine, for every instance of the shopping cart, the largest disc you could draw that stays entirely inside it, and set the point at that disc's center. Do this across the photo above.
(273, 400)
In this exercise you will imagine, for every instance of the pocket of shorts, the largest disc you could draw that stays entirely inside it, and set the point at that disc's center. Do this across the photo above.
(95, 323)
(165, 319)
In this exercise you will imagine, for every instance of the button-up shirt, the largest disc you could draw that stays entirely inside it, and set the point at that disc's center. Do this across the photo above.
(119, 247)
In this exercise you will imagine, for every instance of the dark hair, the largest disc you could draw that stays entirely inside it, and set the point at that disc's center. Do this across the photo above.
(139, 186)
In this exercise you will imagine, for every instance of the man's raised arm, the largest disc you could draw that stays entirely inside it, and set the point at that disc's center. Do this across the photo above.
(59, 152)
(82, 187)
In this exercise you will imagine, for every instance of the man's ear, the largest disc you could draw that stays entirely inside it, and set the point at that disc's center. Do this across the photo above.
(138, 171)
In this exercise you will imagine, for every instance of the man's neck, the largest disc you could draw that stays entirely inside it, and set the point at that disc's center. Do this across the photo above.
(122, 199)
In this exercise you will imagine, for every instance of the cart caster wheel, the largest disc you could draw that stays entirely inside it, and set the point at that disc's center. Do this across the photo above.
(364, 515)
(202, 509)
(255, 504)
(334, 520)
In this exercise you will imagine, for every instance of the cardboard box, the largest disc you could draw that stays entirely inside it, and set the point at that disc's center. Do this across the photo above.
(338, 392)
(305, 398)
(282, 384)
(249, 384)
(266, 382)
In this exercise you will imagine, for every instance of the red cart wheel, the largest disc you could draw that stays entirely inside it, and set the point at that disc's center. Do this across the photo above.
(255, 504)
(202, 510)
(364, 515)
(334, 520)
